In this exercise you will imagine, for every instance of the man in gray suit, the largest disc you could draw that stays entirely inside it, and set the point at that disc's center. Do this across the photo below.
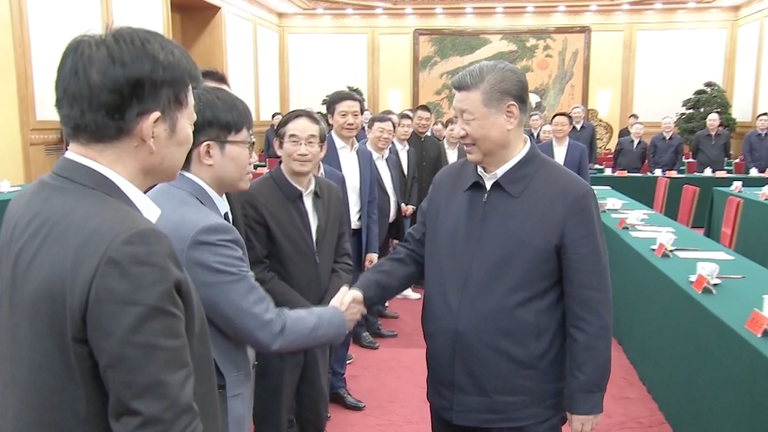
(196, 217)
(100, 329)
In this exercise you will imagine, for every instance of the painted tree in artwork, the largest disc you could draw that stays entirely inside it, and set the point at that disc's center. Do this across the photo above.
(529, 52)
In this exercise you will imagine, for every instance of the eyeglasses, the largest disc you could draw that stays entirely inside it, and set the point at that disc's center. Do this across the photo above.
(310, 143)
(249, 144)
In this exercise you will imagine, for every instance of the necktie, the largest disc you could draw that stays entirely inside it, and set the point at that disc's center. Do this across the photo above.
(226, 217)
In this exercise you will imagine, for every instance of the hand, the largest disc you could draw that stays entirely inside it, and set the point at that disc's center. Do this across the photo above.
(581, 423)
(354, 298)
(370, 260)
(404, 210)
(352, 309)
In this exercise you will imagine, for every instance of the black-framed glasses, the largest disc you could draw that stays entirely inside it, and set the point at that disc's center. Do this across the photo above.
(249, 144)
(310, 143)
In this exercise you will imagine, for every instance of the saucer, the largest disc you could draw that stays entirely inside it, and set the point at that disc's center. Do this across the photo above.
(714, 281)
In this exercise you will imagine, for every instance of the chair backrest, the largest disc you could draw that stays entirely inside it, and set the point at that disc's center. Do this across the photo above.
(687, 155)
(262, 158)
(690, 167)
(272, 163)
(689, 197)
(644, 168)
(608, 164)
(660, 196)
(731, 218)
(738, 167)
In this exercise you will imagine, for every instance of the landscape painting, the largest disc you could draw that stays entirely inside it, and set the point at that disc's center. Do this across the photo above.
(555, 61)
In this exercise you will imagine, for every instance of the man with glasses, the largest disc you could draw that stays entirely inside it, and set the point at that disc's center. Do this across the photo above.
(301, 222)
(196, 217)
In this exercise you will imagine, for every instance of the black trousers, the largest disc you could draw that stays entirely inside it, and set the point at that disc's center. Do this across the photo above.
(291, 386)
(370, 320)
(555, 424)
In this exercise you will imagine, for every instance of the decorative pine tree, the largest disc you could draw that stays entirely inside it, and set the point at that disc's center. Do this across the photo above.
(711, 98)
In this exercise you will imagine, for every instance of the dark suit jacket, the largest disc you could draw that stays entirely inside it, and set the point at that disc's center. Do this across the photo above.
(368, 210)
(389, 231)
(269, 147)
(444, 155)
(534, 137)
(337, 178)
(428, 162)
(100, 328)
(628, 157)
(711, 151)
(586, 135)
(755, 150)
(624, 132)
(235, 206)
(576, 157)
(534, 337)
(409, 186)
(295, 272)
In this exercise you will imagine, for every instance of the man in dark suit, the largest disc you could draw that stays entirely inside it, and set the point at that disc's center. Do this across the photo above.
(269, 137)
(100, 328)
(343, 153)
(196, 216)
(428, 149)
(711, 146)
(583, 131)
(535, 122)
(631, 152)
(755, 145)
(666, 149)
(302, 224)
(625, 131)
(452, 150)
(516, 340)
(565, 151)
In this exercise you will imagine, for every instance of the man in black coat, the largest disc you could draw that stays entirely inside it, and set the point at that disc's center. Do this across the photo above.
(517, 315)
(429, 158)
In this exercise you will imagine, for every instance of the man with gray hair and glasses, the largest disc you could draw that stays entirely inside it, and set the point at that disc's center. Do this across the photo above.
(518, 338)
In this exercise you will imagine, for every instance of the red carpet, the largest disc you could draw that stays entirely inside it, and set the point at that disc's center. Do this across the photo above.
(392, 383)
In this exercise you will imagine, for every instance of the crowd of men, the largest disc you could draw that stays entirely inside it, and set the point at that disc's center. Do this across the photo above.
(146, 284)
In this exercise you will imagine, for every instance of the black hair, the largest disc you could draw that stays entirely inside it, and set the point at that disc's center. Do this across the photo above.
(340, 96)
(562, 114)
(106, 83)
(215, 76)
(275, 114)
(381, 118)
(298, 114)
(422, 108)
(220, 114)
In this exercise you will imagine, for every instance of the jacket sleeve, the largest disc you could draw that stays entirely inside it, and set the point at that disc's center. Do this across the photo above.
(341, 273)
(584, 166)
(652, 164)
(235, 303)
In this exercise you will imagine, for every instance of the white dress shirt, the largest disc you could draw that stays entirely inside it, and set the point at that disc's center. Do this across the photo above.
(350, 167)
(309, 203)
(451, 154)
(559, 151)
(220, 201)
(490, 179)
(145, 205)
(380, 160)
(402, 151)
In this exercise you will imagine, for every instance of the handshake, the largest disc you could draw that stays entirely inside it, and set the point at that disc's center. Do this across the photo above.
(350, 303)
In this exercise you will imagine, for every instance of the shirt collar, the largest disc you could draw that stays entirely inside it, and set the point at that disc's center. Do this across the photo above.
(506, 167)
(341, 144)
(403, 146)
(321, 172)
(448, 148)
(220, 201)
(310, 190)
(375, 154)
(554, 145)
(146, 206)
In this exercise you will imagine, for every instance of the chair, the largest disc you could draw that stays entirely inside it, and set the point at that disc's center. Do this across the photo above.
(644, 168)
(272, 163)
(687, 155)
(608, 164)
(262, 157)
(731, 218)
(690, 167)
(660, 196)
(738, 167)
(689, 197)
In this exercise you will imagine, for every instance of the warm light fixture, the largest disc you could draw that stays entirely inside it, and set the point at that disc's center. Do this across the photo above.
(603, 102)
(625, 6)
(408, 10)
(593, 7)
(561, 8)
(438, 10)
(530, 8)
(499, 9)
(349, 10)
(658, 5)
(379, 10)
(726, 3)
(468, 10)
(319, 10)
(691, 4)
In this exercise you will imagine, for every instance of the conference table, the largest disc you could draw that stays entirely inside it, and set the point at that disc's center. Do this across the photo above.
(642, 187)
(5, 199)
(706, 372)
(752, 239)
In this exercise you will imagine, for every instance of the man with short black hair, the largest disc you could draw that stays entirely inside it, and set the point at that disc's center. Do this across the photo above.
(534, 123)
(100, 327)
(665, 151)
(626, 131)
(755, 145)
(269, 137)
(438, 130)
(631, 152)
(583, 131)
(487, 368)
(214, 78)
(428, 158)
(565, 151)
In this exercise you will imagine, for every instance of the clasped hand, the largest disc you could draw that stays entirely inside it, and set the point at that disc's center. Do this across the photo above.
(350, 303)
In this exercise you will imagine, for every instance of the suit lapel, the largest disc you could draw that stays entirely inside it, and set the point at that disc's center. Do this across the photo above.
(187, 184)
(90, 178)
(332, 154)
(322, 216)
(393, 166)
(237, 213)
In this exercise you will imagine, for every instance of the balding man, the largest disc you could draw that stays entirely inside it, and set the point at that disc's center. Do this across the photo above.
(666, 149)
(711, 146)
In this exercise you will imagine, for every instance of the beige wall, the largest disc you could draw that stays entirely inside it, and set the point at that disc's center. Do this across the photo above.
(11, 147)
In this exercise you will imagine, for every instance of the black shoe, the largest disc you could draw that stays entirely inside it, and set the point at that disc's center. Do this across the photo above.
(389, 315)
(346, 400)
(365, 341)
(350, 358)
(384, 334)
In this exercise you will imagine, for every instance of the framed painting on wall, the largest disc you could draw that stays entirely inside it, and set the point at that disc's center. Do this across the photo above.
(555, 61)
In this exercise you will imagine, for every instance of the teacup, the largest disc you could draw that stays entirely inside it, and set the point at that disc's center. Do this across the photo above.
(657, 172)
(665, 238)
(613, 204)
(708, 270)
(708, 171)
(737, 186)
(608, 171)
(5, 186)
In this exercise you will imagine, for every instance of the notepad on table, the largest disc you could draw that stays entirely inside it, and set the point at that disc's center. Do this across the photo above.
(711, 255)
(656, 228)
(601, 187)
(645, 234)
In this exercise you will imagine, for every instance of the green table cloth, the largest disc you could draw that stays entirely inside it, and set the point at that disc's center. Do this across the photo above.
(642, 188)
(752, 239)
(705, 371)
(5, 199)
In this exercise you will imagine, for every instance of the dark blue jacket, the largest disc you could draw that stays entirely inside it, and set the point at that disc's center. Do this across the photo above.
(517, 311)
(755, 150)
(576, 157)
(665, 154)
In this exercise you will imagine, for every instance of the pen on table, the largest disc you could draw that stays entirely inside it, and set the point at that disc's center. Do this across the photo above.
(730, 276)
(686, 248)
